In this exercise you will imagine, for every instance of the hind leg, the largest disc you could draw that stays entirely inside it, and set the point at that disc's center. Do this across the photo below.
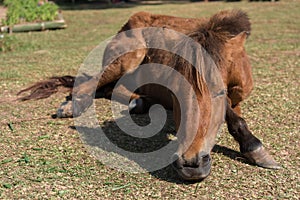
(122, 55)
(250, 146)
(82, 95)
(138, 104)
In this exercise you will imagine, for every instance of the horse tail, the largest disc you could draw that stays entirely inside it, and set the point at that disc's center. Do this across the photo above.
(44, 89)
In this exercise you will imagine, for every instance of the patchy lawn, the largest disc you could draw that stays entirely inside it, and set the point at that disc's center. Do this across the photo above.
(44, 158)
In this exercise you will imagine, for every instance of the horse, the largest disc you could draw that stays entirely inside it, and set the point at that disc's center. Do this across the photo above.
(223, 38)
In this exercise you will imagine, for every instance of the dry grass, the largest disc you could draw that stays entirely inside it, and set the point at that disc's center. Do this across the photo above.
(43, 158)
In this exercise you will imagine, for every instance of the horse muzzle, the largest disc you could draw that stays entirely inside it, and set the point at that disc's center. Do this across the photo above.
(195, 169)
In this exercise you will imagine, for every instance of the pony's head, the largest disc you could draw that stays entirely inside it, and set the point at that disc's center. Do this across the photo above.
(197, 124)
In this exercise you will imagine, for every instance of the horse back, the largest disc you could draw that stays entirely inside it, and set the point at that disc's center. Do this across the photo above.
(145, 19)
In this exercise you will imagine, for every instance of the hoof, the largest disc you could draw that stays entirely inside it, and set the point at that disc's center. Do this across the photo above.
(136, 106)
(65, 110)
(74, 107)
(139, 106)
(81, 104)
(262, 158)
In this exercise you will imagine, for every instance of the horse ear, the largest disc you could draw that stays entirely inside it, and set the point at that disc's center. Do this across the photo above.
(240, 39)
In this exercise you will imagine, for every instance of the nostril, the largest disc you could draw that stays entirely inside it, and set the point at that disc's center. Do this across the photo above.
(192, 163)
(197, 161)
(195, 168)
(205, 158)
(176, 161)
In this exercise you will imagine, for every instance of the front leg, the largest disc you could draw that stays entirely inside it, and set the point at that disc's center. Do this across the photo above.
(250, 146)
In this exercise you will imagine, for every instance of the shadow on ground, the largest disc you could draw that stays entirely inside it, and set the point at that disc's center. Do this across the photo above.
(111, 145)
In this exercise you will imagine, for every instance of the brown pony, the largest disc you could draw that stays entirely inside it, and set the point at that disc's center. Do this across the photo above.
(223, 37)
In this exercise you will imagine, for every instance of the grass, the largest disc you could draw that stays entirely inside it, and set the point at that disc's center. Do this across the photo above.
(43, 158)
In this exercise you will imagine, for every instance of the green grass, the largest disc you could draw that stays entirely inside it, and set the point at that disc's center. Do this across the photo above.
(43, 158)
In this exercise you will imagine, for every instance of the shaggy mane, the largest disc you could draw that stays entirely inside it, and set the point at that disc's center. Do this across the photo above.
(213, 36)
(220, 28)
